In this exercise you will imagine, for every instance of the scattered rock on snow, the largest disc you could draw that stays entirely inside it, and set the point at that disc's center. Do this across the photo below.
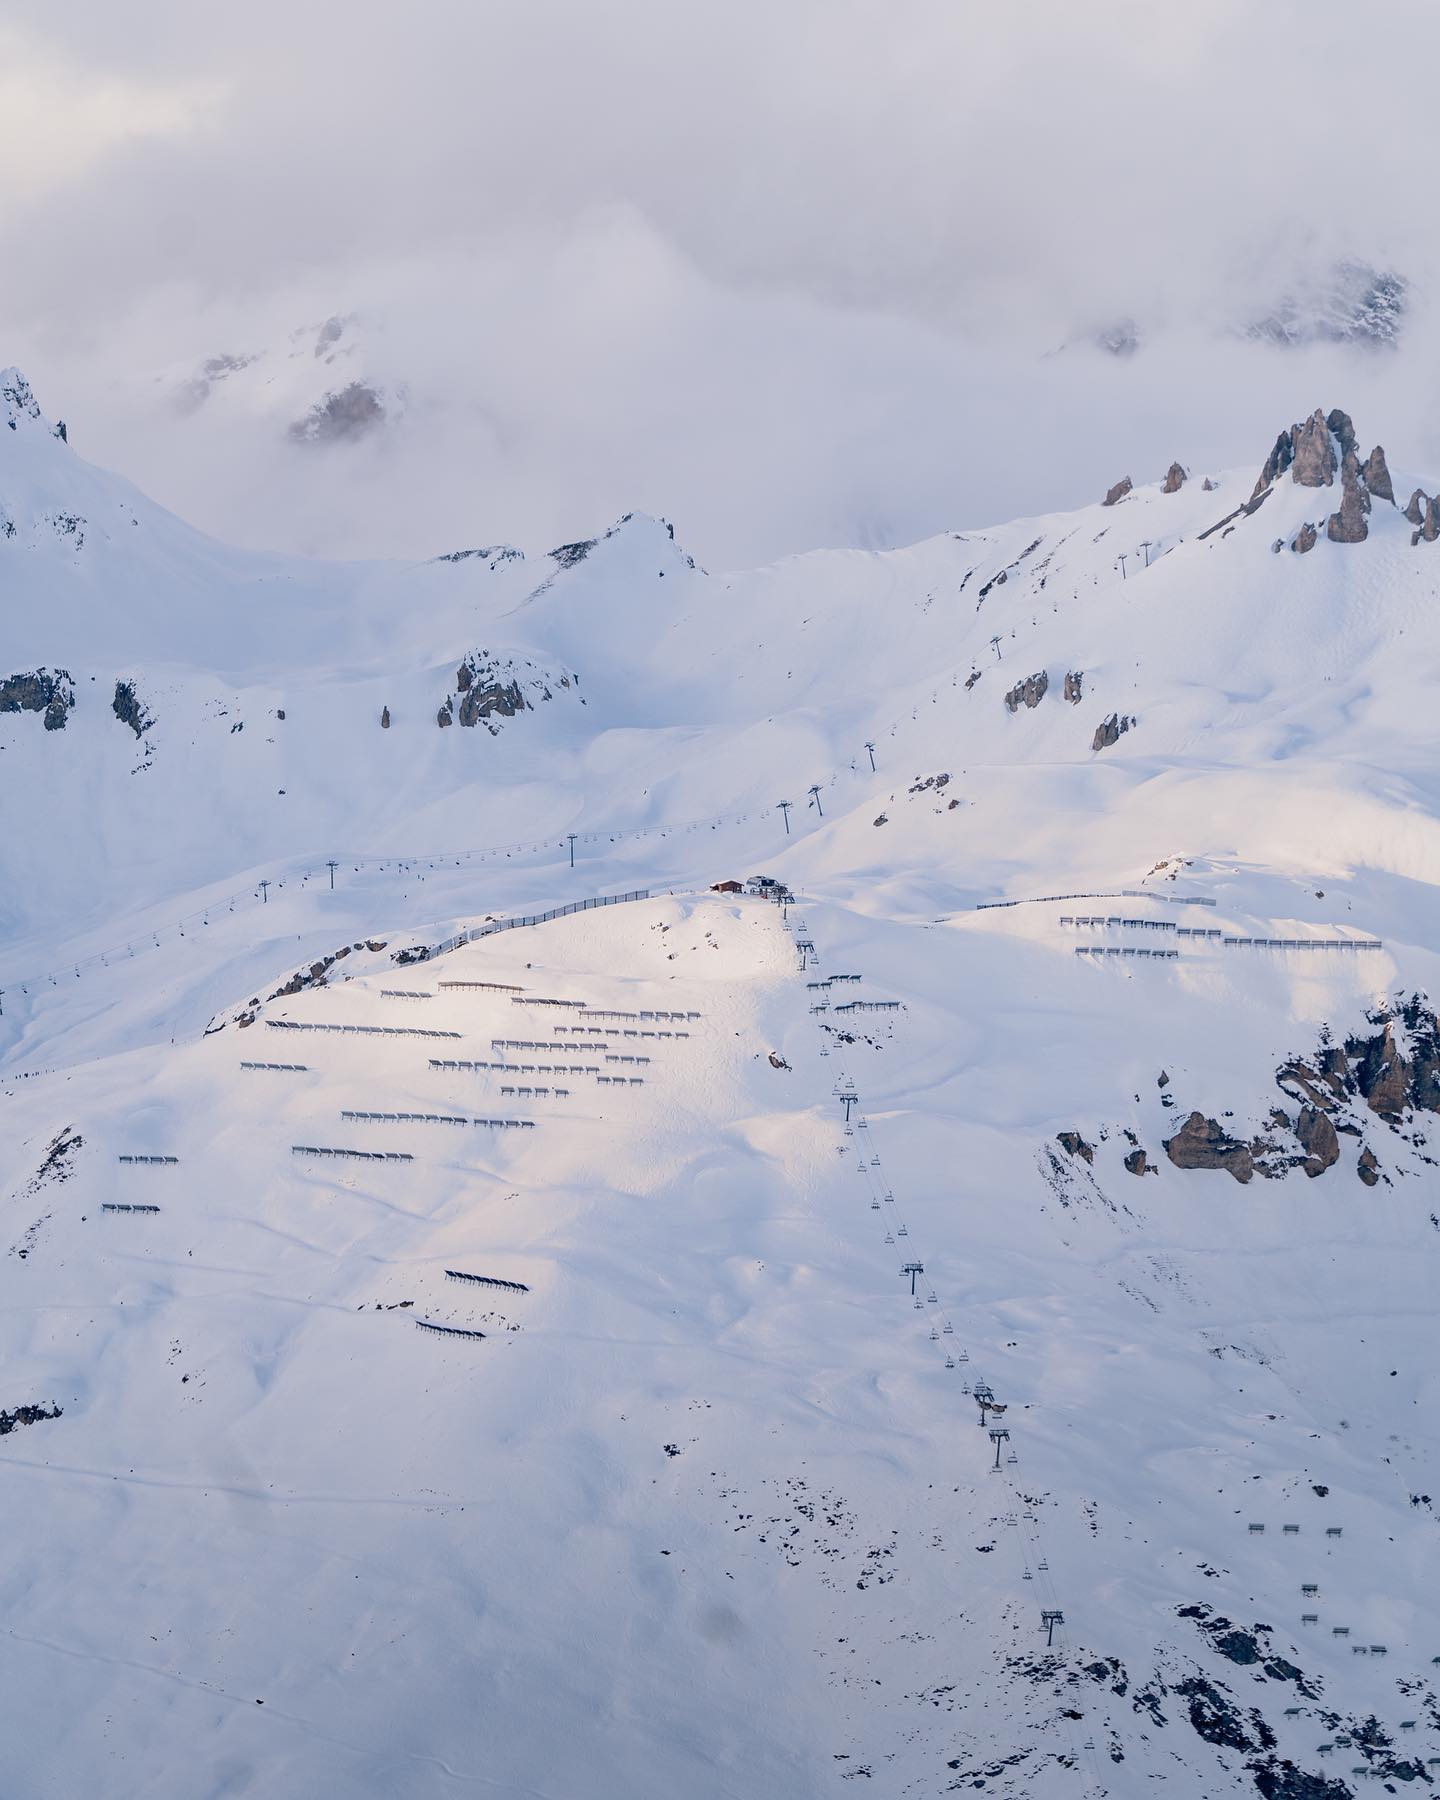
(1349, 526)
(1117, 493)
(1074, 684)
(1305, 539)
(1074, 1145)
(1376, 476)
(1110, 731)
(1318, 1140)
(1174, 479)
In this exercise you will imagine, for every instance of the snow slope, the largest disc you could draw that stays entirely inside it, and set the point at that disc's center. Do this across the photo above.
(706, 1511)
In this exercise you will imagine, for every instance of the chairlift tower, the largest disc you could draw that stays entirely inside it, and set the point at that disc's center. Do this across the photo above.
(848, 1099)
(984, 1398)
(871, 748)
(1050, 1618)
(998, 1435)
(332, 866)
(912, 1269)
(264, 896)
(784, 807)
(814, 793)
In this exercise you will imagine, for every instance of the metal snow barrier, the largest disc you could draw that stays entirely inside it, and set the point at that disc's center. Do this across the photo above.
(1256, 1528)
(523, 999)
(499, 987)
(1118, 894)
(1100, 922)
(1310, 1587)
(1378, 1650)
(1309, 1618)
(360, 1155)
(613, 1056)
(126, 1206)
(1339, 1631)
(449, 1330)
(1122, 950)
(476, 932)
(1269, 943)
(491, 1281)
(149, 1159)
(293, 1068)
(405, 994)
(1334, 1530)
(404, 1118)
(854, 1006)
(1290, 1530)
(536, 1044)
(620, 1080)
(369, 1030)
(1199, 931)
(503, 1124)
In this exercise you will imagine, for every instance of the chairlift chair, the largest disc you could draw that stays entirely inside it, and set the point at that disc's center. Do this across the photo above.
(949, 1362)
(949, 1329)
(903, 1232)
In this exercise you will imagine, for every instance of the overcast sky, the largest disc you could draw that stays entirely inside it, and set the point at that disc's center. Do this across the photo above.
(789, 273)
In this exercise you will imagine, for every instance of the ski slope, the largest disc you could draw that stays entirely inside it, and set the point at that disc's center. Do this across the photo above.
(707, 1509)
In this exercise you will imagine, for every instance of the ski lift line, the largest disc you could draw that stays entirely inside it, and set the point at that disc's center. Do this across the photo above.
(1041, 1575)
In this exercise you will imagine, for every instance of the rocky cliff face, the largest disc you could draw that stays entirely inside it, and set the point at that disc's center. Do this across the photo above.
(1029, 692)
(490, 689)
(1313, 452)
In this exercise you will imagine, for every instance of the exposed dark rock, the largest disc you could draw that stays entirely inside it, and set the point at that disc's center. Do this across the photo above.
(25, 1415)
(1430, 530)
(1281, 1780)
(1367, 1168)
(1174, 479)
(567, 555)
(1074, 683)
(384, 718)
(1110, 731)
(1318, 1140)
(1275, 464)
(128, 710)
(1118, 492)
(1382, 1074)
(1200, 1143)
(1074, 1145)
(1344, 429)
(1419, 505)
(42, 692)
(1219, 1721)
(1138, 1163)
(1349, 525)
(1349, 302)
(1376, 476)
(1207, 486)
(446, 714)
(343, 417)
(1305, 539)
(1029, 692)
(1314, 461)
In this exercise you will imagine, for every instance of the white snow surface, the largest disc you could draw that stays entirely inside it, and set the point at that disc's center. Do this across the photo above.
(705, 1511)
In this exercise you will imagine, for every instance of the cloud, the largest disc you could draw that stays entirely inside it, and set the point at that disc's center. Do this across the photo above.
(786, 274)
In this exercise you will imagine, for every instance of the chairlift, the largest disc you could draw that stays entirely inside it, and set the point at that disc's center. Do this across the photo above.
(931, 1298)
(1012, 1458)
(964, 1356)
(1027, 1576)
(889, 1238)
(1043, 1566)
(949, 1362)
(874, 1206)
(903, 1232)
(949, 1329)
(934, 1335)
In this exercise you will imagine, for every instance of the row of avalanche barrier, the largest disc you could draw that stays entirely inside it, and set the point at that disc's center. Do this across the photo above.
(1125, 950)
(362, 1030)
(1111, 894)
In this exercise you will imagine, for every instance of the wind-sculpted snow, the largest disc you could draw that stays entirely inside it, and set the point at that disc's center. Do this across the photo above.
(438, 1366)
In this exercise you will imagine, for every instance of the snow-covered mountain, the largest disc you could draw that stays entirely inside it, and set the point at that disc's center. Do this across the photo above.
(1127, 821)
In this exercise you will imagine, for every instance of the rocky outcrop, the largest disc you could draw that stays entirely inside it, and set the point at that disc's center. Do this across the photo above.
(1275, 464)
(1110, 731)
(128, 710)
(1073, 1144)
(1207, 486)
(1367, 1168)
(1074, 686)
(1174, 479)
(1305, 539)
(52, 694)
(1318, 1140)
(343, 417)
(1029, 692)
(1117, 493)
(1343, 428)
(1383, 1075)
(1313, 464)
(1430, 526)
(1138, 1163)
(485, 696)
(1200, 1143)
(1376, 475)
(446, 714)
(384, 718)
(1419, 505)
(1351, 524)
